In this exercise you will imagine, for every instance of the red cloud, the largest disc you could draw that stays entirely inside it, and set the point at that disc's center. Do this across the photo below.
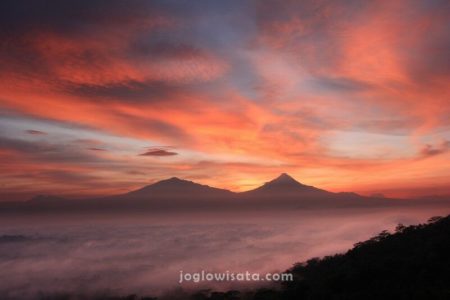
(273, 96)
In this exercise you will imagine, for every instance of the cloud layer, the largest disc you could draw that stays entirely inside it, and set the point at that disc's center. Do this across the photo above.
(337, 93)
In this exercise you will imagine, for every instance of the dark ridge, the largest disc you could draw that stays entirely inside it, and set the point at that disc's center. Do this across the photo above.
(176, 185)
(411, 263)
(175, 194)
(284, 185)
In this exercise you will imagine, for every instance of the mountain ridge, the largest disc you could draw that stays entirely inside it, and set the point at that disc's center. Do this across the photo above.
(177, 186)
(175, 194)
(284, 184)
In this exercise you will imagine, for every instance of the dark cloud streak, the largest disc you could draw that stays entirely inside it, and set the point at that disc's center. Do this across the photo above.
(158, 152)
(35, 132)
(430, 150)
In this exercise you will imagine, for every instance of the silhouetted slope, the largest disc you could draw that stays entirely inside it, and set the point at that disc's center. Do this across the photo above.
(284, 191)
(171, 195)
(413, 263)
(178, 195)
(284, 184)
(175, 187)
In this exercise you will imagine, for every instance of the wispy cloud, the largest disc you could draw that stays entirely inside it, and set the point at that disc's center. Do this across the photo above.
(158, 152)
(267, 82)
(430, 150)
(35, 132)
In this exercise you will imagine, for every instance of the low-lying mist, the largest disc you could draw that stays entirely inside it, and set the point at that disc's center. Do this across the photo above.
(144, 254)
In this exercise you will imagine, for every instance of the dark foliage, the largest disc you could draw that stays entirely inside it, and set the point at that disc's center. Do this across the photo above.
(412, 263)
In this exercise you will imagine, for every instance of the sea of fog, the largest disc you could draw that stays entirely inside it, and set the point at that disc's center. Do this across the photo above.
(121, 255)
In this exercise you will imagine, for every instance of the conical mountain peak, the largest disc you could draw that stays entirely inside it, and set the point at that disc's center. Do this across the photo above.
(285, 178)
(173, 180)
(180, 187)
(283, 184)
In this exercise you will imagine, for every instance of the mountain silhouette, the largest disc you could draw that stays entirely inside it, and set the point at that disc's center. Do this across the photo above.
(175, 194)
(285, 185)
(286, 192)
(178, 187)
(279, 193)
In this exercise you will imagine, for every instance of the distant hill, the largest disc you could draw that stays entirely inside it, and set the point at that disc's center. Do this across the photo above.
(285, 191)
(174, 194)
(284, 185)
(175, 187)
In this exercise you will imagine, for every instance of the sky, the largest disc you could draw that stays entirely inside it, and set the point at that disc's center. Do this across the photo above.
(103, 97)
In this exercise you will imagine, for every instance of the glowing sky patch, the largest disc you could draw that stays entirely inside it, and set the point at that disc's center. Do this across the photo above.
(345, 95)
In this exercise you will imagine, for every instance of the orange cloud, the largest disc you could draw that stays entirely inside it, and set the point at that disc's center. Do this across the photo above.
(334, 93)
